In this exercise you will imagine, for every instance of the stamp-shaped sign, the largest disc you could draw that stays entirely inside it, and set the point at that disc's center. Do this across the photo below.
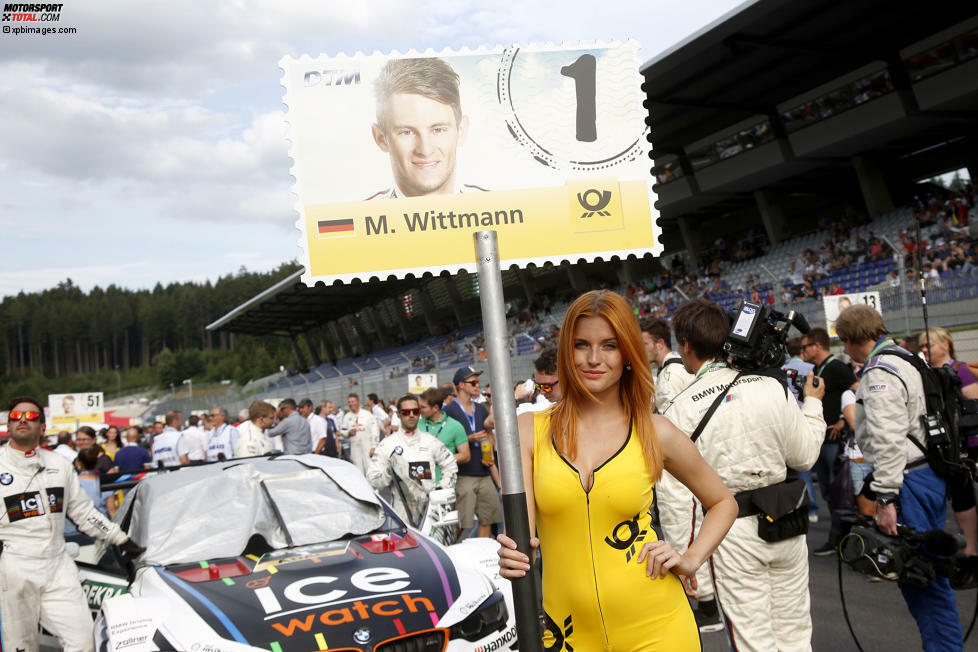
(399, 158)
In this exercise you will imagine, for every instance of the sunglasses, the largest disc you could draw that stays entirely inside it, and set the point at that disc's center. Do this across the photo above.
(471, 382)
(29, 415)
(546, 387)
(410, 412)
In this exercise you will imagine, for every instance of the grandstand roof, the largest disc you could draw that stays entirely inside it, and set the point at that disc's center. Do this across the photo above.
(289, 307)
(767, 52)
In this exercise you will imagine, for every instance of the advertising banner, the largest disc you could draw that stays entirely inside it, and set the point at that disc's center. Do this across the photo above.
(418, 383)
(400, 158)
(836, 304)
(67, 410)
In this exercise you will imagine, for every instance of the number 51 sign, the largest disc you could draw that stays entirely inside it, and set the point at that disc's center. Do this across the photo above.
(400, 158)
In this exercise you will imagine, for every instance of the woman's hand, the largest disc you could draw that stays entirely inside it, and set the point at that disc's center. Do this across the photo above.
(661, 558)
(513, 563)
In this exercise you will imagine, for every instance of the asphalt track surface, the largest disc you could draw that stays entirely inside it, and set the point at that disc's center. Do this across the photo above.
(877, 611)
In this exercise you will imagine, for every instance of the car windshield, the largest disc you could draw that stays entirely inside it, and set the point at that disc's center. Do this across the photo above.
(212, 511)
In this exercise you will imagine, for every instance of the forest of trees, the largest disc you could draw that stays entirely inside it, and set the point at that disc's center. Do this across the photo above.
(63, 339)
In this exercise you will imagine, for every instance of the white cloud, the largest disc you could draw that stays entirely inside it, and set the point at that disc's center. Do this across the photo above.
(161, 123)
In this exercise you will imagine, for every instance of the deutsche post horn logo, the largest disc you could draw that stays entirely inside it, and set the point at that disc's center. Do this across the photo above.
(600, 201)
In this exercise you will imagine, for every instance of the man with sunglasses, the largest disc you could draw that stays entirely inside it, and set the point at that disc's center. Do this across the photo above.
(40, 581)
(546, 385)
(412, 455)
(476, 492)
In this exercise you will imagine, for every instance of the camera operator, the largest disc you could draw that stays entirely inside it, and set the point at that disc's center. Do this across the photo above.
(837, 377)
(889, 405)
(755, 433)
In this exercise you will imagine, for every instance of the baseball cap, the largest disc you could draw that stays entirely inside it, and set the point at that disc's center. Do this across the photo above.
(463, 373)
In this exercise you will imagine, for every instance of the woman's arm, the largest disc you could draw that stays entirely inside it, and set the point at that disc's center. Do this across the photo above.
(512, 562)
(683, 460)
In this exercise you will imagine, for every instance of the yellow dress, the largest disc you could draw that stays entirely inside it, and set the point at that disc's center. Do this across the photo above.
(596, 595)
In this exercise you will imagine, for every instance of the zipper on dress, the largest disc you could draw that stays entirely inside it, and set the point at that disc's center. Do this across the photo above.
(604, 627)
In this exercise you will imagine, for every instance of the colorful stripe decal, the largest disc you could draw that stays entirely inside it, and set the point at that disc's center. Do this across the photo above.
(449, 598)
(220, 615)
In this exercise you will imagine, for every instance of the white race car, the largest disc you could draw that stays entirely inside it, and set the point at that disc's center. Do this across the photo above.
(293, 553)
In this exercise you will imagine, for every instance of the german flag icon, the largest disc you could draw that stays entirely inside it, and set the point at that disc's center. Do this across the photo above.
(336, 228)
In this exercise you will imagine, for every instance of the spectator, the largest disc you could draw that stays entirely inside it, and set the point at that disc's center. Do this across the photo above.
(195, 439)
(64, 448)
(169, 449)
(88, 480)
(113, 441)
(448, 431)
(838, 377)
(223, 439)
(132, 457)
(318, 428)
(253, 440)
(379, 411)
(475, 493)
(328, 445)
(293, 429)
(85, 438)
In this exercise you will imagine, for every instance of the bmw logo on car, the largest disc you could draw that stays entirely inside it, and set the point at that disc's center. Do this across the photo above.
(362, 635)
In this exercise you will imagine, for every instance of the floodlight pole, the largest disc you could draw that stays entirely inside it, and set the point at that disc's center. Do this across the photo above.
(507, 437)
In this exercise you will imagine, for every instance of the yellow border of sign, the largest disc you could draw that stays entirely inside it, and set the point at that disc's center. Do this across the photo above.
(534, 225)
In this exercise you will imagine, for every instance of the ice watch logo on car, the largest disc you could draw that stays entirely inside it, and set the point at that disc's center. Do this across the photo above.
(326, 591)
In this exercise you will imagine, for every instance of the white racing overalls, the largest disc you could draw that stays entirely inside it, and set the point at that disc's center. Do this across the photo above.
(754, 435)
(38, 580)
(413, 458)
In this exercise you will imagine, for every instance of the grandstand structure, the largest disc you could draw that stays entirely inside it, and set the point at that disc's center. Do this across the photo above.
(773, 117)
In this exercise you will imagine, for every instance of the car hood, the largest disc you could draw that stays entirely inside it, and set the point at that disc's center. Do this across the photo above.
(344, 594)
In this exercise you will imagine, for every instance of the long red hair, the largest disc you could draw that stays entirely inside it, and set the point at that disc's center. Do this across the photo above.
(635, 387)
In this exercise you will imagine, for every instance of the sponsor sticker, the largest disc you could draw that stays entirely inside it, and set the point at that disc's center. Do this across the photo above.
(877, 387)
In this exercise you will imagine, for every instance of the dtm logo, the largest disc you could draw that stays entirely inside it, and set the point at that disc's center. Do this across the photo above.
(594, 202)
(332, 78)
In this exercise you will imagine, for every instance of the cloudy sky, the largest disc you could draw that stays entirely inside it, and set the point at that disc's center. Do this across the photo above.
(149, 146)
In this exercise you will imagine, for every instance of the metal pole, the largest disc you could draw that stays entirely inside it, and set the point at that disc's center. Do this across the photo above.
(507, 438)
(902, 289)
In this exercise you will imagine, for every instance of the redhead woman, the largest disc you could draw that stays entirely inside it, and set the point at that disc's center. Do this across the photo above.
(590, 464)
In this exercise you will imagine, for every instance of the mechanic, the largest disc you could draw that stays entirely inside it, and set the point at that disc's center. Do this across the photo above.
(360, 428)
(169, 447)
(672, 378)
(680, 513)
(223, 437)
(837, 377)
(39, 579)
(756, 432)
(413, 455)
(889, 406)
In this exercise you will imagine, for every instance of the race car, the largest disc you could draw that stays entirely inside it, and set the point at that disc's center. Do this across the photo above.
(291, 553)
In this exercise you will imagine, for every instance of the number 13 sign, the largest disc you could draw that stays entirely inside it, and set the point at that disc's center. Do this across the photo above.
(402, 153)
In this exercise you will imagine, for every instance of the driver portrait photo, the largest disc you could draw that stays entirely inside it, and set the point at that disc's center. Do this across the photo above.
(68, 404)
(420, 125)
